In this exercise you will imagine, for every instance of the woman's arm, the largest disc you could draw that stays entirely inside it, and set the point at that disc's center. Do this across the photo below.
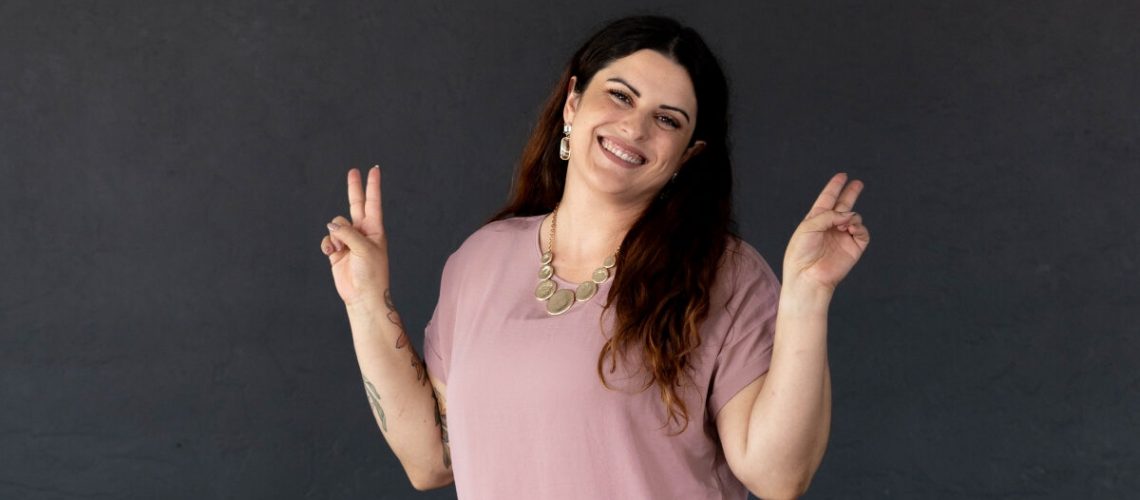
(394, 377)
(789, 422)
(787, 425)
(407, 410)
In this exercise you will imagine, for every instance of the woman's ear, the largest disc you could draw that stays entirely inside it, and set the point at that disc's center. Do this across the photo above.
(692, 151)
(571, 105)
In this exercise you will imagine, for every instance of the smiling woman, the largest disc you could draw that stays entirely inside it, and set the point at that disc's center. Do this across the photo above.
(642, 136)
(622, 202)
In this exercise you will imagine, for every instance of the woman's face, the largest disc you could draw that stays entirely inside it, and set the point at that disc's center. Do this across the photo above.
(631, 126)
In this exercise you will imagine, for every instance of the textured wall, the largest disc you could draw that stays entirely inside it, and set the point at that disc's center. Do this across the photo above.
(169, 329)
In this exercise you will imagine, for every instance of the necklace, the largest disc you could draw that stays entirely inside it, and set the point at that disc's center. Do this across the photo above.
(559, 301)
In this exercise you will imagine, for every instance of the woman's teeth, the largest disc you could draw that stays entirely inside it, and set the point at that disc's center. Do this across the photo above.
(621, 153)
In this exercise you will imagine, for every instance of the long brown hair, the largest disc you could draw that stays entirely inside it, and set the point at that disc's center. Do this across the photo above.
(670, 255)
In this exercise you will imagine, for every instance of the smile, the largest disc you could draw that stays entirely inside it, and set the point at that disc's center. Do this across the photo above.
(622, 154)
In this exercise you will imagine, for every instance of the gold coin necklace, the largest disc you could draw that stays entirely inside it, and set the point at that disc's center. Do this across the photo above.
(559, 301)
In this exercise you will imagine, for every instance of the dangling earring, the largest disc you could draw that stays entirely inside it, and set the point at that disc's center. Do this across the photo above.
(564, 146)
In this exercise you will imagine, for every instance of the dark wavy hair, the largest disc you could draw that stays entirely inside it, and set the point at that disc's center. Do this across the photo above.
(670, 255)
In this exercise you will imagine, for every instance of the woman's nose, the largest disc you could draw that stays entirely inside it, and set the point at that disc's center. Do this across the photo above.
(635, 125)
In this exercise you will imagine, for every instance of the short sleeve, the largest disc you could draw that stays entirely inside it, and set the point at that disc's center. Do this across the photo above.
(753, 297)
(440, 330)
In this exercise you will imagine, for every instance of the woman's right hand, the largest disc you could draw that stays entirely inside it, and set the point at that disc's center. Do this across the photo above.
(358, 250)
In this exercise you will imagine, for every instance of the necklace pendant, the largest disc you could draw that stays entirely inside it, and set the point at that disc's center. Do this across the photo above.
(545, 289)
(601, 274)
(560, 302)
(585, 291)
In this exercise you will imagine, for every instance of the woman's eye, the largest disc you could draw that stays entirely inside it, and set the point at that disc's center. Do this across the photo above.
(620, 96)
(625, 99)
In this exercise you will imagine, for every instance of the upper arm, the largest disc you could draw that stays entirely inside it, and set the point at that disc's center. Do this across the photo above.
(750, 303)
(732, 426)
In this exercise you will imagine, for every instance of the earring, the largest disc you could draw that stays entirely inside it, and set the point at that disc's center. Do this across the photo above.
(564, 146)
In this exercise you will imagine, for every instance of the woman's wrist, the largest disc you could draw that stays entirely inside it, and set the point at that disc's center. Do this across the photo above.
(797, 297)
(366, 306)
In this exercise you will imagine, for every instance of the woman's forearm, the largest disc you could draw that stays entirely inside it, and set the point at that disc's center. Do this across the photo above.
(790, 420)
(396, 384)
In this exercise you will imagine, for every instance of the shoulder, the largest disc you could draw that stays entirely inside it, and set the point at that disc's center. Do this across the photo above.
(739, 252)
(503, 228)
(744, 276)
(496, 238)
(510, 231)
(742, 263)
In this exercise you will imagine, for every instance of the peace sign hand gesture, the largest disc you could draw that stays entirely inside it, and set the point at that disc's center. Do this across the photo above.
(358, 250)
(830, 240)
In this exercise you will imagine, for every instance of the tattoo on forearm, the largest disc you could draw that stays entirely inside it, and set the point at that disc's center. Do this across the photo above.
(394, 317)
(441, 421)
(421, 370)
(402, 340)
(374, 400)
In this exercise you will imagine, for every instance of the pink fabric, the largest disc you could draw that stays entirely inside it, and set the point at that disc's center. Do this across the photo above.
(528, 416)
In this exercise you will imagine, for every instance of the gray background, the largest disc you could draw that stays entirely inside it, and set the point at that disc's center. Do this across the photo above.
(169, 325)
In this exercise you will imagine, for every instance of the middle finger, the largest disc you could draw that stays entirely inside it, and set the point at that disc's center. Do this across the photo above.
(355, 196)
(847, 198)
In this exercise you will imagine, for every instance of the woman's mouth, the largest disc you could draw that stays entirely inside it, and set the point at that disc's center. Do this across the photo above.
(622, 154)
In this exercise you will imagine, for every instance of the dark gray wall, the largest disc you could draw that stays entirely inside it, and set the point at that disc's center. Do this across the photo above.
(170, 329)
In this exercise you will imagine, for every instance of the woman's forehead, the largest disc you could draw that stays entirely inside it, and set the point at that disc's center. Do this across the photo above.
(654, 75)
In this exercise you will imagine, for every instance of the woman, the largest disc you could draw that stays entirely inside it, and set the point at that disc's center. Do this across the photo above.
(612, 270)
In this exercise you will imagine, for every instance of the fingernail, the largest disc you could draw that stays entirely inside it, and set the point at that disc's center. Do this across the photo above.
(375, 167)
(333, 226)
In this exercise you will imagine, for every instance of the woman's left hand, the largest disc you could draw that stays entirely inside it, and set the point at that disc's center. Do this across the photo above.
(830, 240)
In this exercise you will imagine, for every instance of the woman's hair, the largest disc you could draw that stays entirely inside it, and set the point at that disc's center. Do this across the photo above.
(670, 255)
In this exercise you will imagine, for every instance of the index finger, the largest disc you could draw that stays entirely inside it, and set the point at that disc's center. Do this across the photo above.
(829, 195)
(372, 198)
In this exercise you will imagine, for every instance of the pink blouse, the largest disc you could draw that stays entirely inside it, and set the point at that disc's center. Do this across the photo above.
(528, 417)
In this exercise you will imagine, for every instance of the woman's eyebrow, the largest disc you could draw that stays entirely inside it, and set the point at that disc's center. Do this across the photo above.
(623, 82)
(638, 94)
(679, 110)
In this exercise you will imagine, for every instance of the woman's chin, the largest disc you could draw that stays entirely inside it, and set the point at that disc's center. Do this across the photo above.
(615, 183)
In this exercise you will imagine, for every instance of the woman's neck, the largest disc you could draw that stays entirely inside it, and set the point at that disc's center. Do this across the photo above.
(591, 227)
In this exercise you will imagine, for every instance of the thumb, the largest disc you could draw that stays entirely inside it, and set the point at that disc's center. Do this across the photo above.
(357, 243)
(826, 220)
